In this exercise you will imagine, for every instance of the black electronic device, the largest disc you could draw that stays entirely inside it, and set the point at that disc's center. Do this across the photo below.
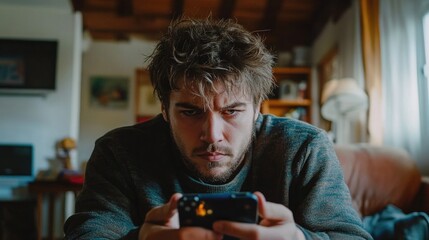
(203, 210)
(28, 66)
(16, 162)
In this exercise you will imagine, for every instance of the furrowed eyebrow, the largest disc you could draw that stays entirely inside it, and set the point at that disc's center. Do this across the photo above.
(235, 105)
(191, 106)
(186, 105)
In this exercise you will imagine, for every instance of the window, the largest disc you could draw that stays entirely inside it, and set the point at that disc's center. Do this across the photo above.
(424, 81)
(425, 63)
(426, 47)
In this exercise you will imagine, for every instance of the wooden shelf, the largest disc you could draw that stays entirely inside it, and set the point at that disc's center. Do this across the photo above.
(291, 70)
(297, 108)
(288, 102)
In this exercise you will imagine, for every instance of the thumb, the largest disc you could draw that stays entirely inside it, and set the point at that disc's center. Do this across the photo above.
(163, 214)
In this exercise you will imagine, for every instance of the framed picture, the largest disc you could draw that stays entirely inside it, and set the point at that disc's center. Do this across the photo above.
(109, 92)
(147, 104)
(288, 89)
(12, 71)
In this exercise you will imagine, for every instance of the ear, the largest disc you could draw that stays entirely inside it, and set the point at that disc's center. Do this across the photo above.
(257, 110)
(164, 113)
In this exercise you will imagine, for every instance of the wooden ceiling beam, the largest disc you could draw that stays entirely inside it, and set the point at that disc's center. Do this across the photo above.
(255, 6)
(123, 36)
(201, 9)
(284, 23)
(153, 7)
(226, 8)
(98, 5)
(124, 7)
(177, 10)
(288, 36)
(270, 16)
(112, 22)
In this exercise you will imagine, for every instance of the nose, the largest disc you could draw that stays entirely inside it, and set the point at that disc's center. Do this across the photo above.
(212, 128)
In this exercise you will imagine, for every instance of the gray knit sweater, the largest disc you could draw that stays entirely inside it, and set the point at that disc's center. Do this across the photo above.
(132, 169)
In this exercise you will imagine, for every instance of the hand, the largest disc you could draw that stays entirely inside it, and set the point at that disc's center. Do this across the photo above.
(163, 223)
(277, 223)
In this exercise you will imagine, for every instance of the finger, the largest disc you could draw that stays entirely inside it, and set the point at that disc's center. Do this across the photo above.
(253, 231)
(174, 200)
(198, 233)
(236, 229)
(272, 211)
(159, 232)
(163, 213)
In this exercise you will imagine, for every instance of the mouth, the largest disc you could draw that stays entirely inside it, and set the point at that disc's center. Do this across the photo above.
(211, 156)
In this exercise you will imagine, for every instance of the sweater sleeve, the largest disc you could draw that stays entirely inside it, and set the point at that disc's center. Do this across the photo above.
(321, 203)
(105, 208)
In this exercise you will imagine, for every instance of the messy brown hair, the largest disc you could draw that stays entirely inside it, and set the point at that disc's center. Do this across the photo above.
(197, 53)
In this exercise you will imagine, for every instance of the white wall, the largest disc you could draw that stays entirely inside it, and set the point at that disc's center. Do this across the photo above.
(42, 121)
(108, 59)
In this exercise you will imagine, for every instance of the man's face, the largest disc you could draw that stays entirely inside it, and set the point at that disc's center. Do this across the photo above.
(212, 140)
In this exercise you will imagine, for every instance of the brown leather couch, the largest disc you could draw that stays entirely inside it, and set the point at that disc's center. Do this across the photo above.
(378, 176)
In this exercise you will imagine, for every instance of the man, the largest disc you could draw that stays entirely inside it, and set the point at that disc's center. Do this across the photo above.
(211, 77)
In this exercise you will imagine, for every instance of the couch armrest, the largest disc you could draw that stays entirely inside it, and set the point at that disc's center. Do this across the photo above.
(421, 202)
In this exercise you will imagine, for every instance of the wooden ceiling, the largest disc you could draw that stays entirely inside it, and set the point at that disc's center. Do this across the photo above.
(284, 23)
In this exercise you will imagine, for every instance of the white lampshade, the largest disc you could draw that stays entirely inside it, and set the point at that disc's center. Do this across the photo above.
(342, 98)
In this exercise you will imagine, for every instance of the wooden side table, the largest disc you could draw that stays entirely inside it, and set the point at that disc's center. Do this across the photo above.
(52, 189)
(17, 220)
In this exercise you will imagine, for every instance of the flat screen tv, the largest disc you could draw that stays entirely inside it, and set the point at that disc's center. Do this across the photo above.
(27, 66)
(16, 161)
(16, 168)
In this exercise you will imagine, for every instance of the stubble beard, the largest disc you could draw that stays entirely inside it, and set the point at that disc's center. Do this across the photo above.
(231, 166)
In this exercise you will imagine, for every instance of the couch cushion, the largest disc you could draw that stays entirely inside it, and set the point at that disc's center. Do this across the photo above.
(378, 176)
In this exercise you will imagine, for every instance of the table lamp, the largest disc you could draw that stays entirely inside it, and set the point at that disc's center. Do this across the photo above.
(342, 100)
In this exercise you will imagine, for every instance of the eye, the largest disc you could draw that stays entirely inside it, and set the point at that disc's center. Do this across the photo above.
(231, 112)
(191, 112)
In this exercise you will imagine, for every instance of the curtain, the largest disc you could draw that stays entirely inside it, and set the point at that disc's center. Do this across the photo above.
(401, 116)
(372, 67)
(349, 65)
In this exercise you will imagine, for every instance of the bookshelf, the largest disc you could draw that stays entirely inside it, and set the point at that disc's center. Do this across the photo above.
(292, 96)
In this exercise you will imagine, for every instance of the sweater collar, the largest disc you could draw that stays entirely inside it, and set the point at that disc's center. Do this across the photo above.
(193, 185)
